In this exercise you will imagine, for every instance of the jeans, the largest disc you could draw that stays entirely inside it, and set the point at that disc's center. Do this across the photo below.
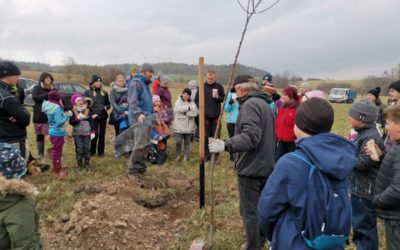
(58, 144)
(100, 128)
(210, 127)
(249, 191)
(365, 232)
(392, 230)
(82, 147)
(185, 138)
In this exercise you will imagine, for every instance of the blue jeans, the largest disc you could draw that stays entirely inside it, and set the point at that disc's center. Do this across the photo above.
(365, 232)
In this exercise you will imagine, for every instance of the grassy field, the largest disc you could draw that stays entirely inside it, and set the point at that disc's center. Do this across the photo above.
(57, 196)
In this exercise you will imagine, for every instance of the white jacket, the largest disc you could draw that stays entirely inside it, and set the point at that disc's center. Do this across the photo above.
(184, 114)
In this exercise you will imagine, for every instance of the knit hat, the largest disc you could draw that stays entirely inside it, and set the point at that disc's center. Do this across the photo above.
(315, 116)
(75, 98)
(156, 98)
(192, 84)
(12, 164)
(187, 91)
(395, 85)
(291, 92)
(146, 67)
(134, 69)
(95, 78)
(124, 99)
(267, 77)
(313, 93)
(165, 80)
(364, 111)
(375, 92)
(242, 79)
(8, 68)
(54, 96)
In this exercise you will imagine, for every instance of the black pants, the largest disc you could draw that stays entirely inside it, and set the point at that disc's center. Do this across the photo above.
(231, 132)
(249, 192)
(392, 229)
(283, 148)
(82, 147)
(100, 128)
(210, 127)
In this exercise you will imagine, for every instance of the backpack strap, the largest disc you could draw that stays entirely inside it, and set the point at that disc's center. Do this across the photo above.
(312, 166)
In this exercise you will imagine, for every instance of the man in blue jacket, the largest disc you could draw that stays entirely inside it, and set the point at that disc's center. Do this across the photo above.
(140, 118)
(282, 205)
(13, 117)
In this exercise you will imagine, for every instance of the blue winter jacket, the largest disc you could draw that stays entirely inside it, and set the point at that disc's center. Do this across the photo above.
(139, 98)
(56, 118)
(282, 202)
(121, 119)
(232, 108)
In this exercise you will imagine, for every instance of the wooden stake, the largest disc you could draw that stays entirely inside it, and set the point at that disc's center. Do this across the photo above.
(201, 131)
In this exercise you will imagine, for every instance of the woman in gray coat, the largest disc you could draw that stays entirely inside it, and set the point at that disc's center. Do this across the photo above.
(185, 110)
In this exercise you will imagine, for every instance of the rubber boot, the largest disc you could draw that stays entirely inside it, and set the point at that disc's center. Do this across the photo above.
(58, 170)
(40, 149)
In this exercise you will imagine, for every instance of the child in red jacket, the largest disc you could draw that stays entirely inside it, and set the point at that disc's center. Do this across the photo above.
(285, 122)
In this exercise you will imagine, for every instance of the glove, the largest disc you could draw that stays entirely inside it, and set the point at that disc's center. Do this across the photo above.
(81, 116)
(216, 145)
(92, 136)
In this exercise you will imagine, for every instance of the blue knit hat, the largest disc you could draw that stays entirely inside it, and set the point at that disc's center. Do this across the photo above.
(12, 164)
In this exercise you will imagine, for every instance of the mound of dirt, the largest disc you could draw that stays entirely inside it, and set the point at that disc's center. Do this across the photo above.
(125, 215)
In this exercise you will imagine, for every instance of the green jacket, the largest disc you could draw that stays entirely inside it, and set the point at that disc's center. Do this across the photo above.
(19, 219)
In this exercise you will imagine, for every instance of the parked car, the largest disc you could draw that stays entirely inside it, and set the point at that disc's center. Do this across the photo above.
(27, 85)
(66, 90)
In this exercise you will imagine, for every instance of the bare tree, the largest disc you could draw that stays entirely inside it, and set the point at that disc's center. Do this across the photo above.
(251, 8)
(69, 67)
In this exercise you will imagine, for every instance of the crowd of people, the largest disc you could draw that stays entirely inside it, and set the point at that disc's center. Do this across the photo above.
(300, 186)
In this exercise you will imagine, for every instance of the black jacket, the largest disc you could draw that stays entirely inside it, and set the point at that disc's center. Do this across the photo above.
(101, 103)
(10, 107)
(387, 186)
(212, 105)
(254, 139)
(39, 94)
(362, 179)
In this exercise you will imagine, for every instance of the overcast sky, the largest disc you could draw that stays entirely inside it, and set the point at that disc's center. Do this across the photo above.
(340, 39)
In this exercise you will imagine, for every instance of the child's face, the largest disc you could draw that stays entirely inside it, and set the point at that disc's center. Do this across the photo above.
(393, 129)
(185, 96)
(79, 103)
(157, 104)
(355, 123)
(125, 104)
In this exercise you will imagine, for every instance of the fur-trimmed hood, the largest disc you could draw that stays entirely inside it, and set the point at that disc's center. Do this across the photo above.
(10, 190)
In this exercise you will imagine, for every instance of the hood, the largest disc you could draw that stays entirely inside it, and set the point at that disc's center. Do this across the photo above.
(119, 89)
(49, 108)
(143, 79)
(17, 187)
(332, 154)
(256, 93)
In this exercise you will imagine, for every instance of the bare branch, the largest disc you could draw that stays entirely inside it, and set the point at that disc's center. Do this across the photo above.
(269, 7)
(241, 6)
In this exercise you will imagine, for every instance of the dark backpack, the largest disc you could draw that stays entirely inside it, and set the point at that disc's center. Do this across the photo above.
(327, 218)
(156, 157)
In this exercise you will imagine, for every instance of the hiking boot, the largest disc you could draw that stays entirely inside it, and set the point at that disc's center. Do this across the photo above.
(79, 163)
(58, 170)
(86, 163)
(135, 177)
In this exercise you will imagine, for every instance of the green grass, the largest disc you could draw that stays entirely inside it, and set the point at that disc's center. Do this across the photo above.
(57, 195)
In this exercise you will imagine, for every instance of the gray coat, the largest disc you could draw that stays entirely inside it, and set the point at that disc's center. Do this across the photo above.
(362, 179)
(184, 114)
(387, 188)
(254, 139)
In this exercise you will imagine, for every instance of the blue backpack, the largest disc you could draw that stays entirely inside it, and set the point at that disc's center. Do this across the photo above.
(327, 219)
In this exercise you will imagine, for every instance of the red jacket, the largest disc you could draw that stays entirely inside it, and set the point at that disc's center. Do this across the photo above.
(154, 86)
(285, 123)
